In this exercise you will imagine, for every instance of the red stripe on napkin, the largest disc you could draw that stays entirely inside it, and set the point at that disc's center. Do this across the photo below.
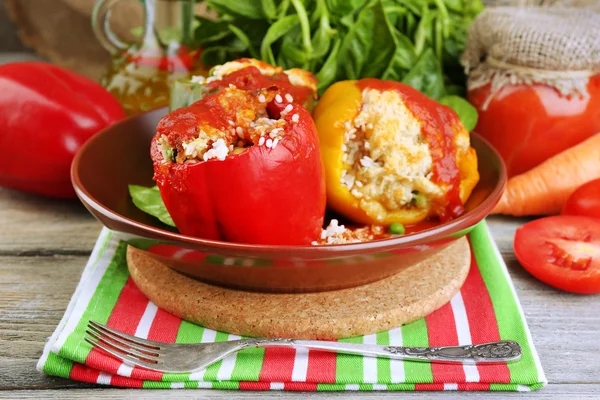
(125, 317)
(321, 367)
(278, 364)
(482, 320)
(441, 328)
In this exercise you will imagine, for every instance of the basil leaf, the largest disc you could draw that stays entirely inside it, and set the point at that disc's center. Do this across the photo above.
(149, 201)
(465, 110)
(274, 33)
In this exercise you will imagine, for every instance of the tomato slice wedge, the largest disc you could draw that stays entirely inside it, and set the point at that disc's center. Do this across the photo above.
(563, 251)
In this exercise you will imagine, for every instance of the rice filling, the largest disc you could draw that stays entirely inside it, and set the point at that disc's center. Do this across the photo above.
(388, 165)
(249, 126)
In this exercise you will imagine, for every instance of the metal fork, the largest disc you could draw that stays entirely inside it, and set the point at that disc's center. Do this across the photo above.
(185, 358)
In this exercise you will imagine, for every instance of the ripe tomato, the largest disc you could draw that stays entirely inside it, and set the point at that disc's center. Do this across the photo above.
(584, 201)
(563, 251)
(529, 124)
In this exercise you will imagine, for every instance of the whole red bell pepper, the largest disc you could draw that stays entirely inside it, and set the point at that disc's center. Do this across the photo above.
(47, 113)
(263, 184)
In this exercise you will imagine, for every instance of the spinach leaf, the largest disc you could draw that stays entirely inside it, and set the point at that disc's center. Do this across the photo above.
(424, 32)
(369, 46)
(304, 23)
(323, 35)
(426, 76)
(415, 41)
(466, 112)
(269, 9)
(224, 51)
(209, 31)
(241, 35)
(274, 33)
(247, 8)
(149, 201)
(185, 93)
(292, 50)
(454, 5)
(327, 73)
(402, 61)
(341, 8)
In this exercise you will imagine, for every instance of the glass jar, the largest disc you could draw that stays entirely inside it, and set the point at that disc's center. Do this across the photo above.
(529, 123)
(140, 74)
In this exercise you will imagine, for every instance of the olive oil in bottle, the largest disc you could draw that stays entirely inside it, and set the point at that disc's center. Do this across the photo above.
(141, 74)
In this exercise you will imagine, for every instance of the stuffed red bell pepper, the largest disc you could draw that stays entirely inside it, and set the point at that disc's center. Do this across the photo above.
(295, 85)
(242, 166)
(47, 113)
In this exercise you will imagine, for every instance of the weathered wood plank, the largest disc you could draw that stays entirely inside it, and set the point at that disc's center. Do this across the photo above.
(36, 291)
(39, 272)
(33, 225)
(572, 391)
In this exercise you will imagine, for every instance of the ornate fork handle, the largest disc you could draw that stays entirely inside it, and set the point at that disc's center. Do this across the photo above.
(495, 352)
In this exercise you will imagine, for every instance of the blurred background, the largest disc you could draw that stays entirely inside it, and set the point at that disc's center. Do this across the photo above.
(60, 30)
(9, 40)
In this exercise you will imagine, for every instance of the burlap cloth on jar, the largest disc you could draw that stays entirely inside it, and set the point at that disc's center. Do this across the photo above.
(557, 46)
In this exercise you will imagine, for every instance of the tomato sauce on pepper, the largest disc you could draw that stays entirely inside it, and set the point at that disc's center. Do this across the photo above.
(437, 122)
(251, 78)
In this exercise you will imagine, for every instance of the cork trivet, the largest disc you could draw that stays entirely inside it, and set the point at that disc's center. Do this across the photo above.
(390, 302)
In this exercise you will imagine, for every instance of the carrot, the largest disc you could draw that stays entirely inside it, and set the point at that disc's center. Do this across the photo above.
(545, 188)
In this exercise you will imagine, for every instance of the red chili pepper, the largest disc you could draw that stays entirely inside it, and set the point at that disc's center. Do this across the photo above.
(47, 114)
(263, 195)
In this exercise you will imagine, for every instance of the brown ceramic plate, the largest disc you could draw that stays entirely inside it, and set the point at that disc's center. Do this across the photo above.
(119, 156)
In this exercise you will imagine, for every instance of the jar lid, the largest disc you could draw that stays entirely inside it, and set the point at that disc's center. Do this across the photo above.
(557, 46)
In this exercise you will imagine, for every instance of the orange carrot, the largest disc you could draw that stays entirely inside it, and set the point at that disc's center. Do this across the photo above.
(544, 189)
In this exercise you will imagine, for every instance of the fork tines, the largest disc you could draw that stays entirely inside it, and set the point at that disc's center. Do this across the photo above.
(129, 349)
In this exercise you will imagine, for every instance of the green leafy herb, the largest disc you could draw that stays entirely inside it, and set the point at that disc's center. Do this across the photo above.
(418, 42)
(426, 76)
(184, 93)
(148, 200)
(466, 112)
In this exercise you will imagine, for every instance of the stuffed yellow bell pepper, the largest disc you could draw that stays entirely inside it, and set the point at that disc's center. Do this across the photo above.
(391, 154)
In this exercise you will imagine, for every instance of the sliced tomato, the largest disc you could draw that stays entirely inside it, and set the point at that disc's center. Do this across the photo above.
(584, 201)
(563, 251)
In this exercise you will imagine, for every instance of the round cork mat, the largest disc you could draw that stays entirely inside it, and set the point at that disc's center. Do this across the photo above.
(390, 302)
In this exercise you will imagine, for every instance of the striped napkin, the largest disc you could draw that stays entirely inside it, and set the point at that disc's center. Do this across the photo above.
(486, 309)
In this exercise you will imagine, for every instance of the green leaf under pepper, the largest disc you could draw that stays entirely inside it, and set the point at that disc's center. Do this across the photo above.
(149, 201)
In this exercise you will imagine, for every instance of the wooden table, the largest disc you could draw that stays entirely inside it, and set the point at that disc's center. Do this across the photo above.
(44, 245)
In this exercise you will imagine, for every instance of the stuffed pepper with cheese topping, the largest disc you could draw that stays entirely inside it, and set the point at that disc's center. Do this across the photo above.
(295, 85)
(242, 166)
(393, 155)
